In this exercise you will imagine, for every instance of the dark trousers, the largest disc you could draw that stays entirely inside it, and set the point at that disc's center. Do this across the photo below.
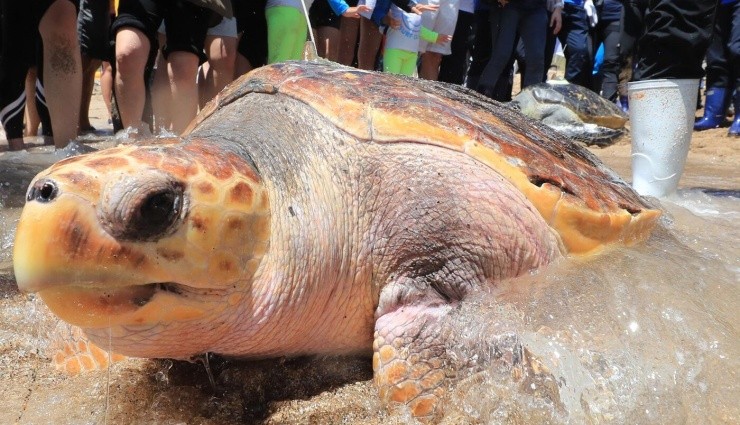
(633, 25)
(575, 38)
(723, 55)
(453, 67)
(531, 25)
(676, 36)
(549, 47)
(608, 33)
(485, 22)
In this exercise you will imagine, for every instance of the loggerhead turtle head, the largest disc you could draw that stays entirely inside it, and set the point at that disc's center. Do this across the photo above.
(143, 237)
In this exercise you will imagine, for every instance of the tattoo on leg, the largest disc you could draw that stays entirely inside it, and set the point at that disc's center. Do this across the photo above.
(62, 59)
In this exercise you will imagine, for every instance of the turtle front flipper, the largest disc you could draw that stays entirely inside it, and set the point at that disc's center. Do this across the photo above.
(421, 353)
(72, 353)
(409, 358)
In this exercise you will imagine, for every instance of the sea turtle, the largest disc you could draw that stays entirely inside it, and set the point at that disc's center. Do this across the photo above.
(314, 208)
(17, 169)
(572, 110)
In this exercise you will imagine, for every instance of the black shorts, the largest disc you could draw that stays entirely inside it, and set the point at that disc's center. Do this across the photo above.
(20, 49)
(186, 24)
(252, 25)
(93, 29)
(321, 15)
(19, 28)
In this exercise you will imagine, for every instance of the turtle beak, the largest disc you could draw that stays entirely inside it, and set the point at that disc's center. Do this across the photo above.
(63, 246)
(42, 257)
(86, 276)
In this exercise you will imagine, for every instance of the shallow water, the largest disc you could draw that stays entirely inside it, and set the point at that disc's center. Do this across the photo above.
(647, 334)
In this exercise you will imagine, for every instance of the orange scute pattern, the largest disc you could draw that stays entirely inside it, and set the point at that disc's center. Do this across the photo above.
(583, 202)
(220, 238)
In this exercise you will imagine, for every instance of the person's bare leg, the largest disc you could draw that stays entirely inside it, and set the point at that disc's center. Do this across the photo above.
(370, 39)
(429, 68)
(16, 144)
(327, 40)
(106, 86)
(89, 67)
(221, 52)
(242, 65)
(348, 31)
(32, 114)
(62, 69)
(182, 68)
(132, 51)
(161, 94)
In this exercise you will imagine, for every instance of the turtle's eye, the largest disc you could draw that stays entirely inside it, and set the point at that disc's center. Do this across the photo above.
(42, 191)
(142, 207)
(157, 212)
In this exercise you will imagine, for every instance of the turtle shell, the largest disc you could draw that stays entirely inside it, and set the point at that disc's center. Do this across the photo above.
(589, 106)
(585, 202)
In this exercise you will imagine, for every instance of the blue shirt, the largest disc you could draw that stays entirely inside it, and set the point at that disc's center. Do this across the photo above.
(338, 6)
(383, 6)
(575, 2)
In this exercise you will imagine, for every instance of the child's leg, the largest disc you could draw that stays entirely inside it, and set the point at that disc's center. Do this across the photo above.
(399, 61)
(392, 61)
(409, 64)
(286, 33)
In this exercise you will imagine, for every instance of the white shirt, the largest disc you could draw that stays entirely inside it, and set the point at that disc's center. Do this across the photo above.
(406, 37)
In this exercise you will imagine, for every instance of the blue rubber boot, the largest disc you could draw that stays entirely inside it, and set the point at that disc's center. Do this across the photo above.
(714, 109)
(735, 127)
(624, 104)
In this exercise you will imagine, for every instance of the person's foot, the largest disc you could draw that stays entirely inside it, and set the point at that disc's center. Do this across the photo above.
(16, 144)
(87, 129)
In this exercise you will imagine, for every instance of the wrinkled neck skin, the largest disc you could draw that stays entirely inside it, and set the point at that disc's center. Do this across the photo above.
(356, 229)
(310, 292)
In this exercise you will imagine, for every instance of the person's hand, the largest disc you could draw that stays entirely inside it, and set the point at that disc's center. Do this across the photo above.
(354, 12)
(556, 20)
(389, 21)
(502, 3)
(593, 17)
(443, 38)
(421, 8)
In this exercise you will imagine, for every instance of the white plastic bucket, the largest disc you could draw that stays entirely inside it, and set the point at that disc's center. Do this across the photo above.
(661, 120)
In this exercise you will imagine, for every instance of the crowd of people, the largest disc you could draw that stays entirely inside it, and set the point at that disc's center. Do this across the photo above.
(161, 60)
